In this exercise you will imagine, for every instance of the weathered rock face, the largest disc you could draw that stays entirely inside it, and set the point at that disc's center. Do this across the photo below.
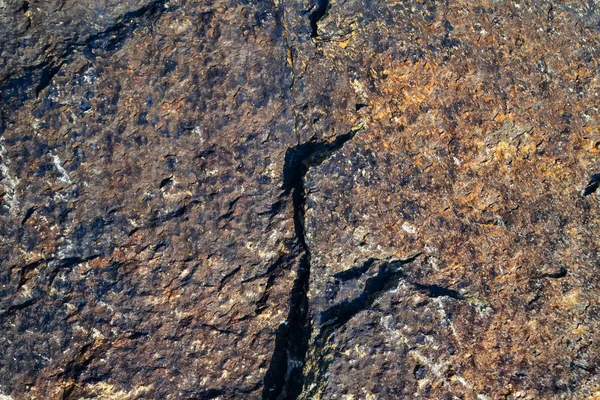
(355, 199)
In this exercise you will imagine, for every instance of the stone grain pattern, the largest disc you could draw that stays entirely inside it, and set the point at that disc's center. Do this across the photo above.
(291, 199)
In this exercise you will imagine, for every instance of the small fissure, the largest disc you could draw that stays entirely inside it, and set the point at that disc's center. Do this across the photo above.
(25, 7)
(593, 185)
(559, 273)
(166, 181)
(284, 378)
(28, 215)
(81, 361)
(113, 37)
(209, 394)
(67, 263)
(318, 12)
(27, 272)
(228, 277)
(354, 272)
(437, 291)
(47, 74)
(156, 220)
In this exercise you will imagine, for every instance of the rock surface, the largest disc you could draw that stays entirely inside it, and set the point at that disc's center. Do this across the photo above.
(299, 199)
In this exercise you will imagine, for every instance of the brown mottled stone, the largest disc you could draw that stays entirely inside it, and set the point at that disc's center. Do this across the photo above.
(293, 199)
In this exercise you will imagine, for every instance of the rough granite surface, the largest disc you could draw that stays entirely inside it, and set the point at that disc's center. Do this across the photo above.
(299, 199)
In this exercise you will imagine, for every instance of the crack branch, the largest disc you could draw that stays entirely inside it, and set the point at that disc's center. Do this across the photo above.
(388, 275)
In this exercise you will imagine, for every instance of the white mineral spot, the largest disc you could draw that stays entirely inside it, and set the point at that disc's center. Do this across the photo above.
(358, 89)
(5, 397)
(198, 131)
(463, 382)
(9, 183)
(408, 228)
(444, 316)
(386, 322)
(89, 77)
(64, 176)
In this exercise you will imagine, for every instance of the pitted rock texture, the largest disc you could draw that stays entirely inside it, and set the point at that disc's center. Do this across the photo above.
(299, 199)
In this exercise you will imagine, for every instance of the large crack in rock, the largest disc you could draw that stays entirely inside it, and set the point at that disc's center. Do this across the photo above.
(285, 379)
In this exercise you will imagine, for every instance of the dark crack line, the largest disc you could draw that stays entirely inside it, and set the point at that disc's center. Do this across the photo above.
(28, 214)
(75, 368)
(67, 263)
(386, 279)
(354, 272)
(113, 37)
(46, 76)
(282, 27)
(437, 291)
(157, 220)
(593, 185)
(284, 378)
(55, 266)
(319, 11)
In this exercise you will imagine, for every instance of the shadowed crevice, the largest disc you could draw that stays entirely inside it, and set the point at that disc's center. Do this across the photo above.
(437, 291)
(284, 378)
(387, 278)
(319, 11)
(593, 185)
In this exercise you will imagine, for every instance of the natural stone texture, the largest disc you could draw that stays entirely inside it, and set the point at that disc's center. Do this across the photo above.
(146, 250)
(479, 148)
(356, 199)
